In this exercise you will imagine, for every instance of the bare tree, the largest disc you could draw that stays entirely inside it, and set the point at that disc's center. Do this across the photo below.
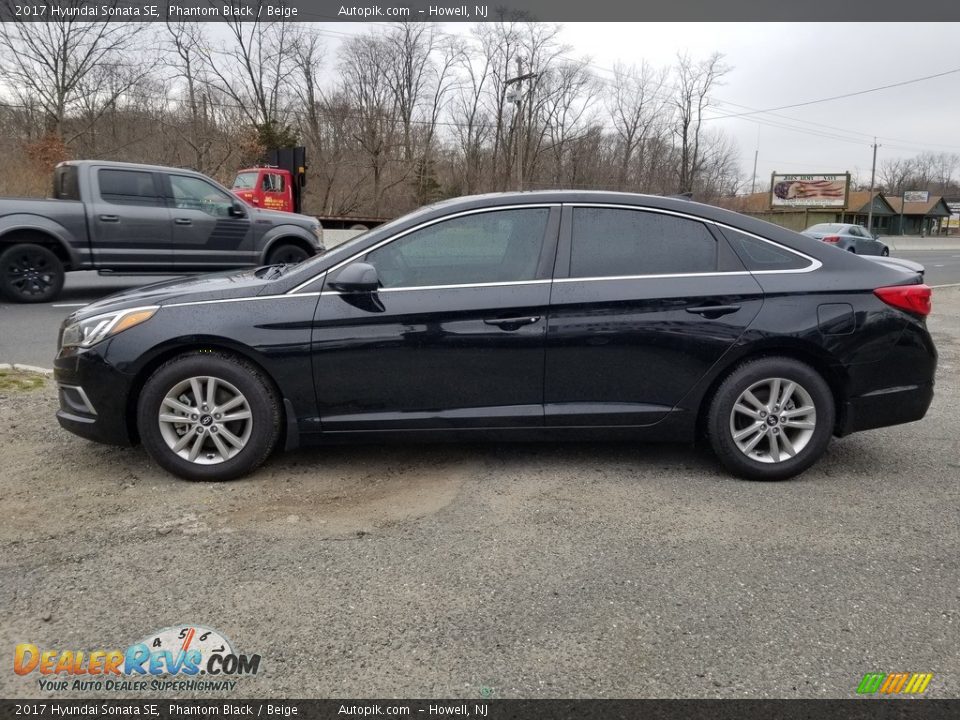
(363, 63)
(569, 91)
(186, 45)
(471, 122)
(46, 62)
(691, 98)
(252, 70)
(636, 105)
(894, 173)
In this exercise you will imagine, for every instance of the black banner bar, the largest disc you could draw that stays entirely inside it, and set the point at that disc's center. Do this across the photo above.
(857, 11)
(854, 709)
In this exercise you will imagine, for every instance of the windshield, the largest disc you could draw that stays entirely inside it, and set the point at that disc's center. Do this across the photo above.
(245, 181)
(826, 227)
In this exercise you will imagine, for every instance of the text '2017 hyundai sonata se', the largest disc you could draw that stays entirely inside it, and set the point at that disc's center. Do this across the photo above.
(527, 316)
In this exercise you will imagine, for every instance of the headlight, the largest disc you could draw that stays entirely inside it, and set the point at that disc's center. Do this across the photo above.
(99, 327)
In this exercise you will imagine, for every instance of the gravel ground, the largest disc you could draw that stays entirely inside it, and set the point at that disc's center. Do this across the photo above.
(523, 570)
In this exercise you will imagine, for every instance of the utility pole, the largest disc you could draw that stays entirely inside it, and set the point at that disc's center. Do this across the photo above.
(756, 154)
(518, 114)
(873, 174)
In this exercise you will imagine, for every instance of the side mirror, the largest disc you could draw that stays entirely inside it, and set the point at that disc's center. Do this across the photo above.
(236, 210)
(357, 277)
(876, 236)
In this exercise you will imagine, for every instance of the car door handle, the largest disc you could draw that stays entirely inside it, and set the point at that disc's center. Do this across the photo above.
(713, 311)
(512, 323)
(183, 221)
(110, 218)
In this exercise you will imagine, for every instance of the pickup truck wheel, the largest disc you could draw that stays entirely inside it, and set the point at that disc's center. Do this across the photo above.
(30, 273)
(208, 416)
(287, 254)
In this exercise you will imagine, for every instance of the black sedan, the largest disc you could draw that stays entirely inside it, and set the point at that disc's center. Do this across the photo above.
(528, 316)
(852, 238)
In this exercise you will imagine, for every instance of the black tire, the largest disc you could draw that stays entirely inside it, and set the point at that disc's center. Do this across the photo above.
(852, 249)
(287, 254)
(30, 273)
(232, 374)
(885, 252)
(722, 420)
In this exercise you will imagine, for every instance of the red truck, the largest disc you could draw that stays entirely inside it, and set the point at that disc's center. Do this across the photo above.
(279, 183)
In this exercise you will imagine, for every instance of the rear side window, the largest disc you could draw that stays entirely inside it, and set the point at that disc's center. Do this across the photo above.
(611, 242)
(758, 254)
(128, 187)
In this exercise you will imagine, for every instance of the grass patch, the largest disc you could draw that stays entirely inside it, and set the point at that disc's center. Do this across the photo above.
(18, 380)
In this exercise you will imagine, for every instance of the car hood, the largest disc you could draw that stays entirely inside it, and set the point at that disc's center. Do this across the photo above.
(276, 217)
(215, 286)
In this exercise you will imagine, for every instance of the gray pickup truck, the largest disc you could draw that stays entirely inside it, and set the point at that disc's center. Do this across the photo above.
(126, 218)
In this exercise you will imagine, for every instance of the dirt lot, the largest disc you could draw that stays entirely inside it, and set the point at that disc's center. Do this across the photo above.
(511, 570)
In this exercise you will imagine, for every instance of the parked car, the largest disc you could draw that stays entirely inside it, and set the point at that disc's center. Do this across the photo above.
(528, 316)
(133, 219)
(852, 238)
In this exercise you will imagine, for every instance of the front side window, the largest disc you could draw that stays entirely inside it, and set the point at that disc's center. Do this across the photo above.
(497, 246)
(191, 193)
(273, 182)
(609, 242)
(128, 187)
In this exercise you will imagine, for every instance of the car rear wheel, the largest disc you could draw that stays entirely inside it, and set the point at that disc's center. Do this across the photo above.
(30, 273)
(771, 419)
(208, 416)
(287, 254)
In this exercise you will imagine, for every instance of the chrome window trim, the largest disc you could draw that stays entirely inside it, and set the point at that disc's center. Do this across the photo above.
(814, 263)
(664, 276)
(422, 225)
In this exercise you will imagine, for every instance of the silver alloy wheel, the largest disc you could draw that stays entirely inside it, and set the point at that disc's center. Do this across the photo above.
(773, 420)
(205, 420)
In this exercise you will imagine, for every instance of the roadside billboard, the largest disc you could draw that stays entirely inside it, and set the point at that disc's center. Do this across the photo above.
(921, 196)
(810, 191)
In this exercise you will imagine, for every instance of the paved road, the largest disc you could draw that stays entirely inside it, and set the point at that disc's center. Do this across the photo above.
(28, 333)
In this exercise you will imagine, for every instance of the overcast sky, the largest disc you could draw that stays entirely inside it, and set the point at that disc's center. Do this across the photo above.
(782, 64)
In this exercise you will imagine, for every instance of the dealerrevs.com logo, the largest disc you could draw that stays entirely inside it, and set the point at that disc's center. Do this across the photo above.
(179, 658)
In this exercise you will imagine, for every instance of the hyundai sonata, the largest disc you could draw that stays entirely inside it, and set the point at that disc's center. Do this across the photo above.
(527, 316)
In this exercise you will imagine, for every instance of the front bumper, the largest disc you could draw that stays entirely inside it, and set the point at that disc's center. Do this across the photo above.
(93, 396)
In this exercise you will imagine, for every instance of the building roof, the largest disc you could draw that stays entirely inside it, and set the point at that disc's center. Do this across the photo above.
(859, 203)
(935, 206)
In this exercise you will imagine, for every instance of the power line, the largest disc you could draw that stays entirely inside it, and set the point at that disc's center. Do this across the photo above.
(845, 95)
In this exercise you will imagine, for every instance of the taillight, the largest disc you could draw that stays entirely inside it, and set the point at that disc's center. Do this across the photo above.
(832, 239)
(912, 298)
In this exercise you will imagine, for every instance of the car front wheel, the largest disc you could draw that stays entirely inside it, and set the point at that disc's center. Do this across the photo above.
(208, 416)
(771, 419)
(30, 273)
